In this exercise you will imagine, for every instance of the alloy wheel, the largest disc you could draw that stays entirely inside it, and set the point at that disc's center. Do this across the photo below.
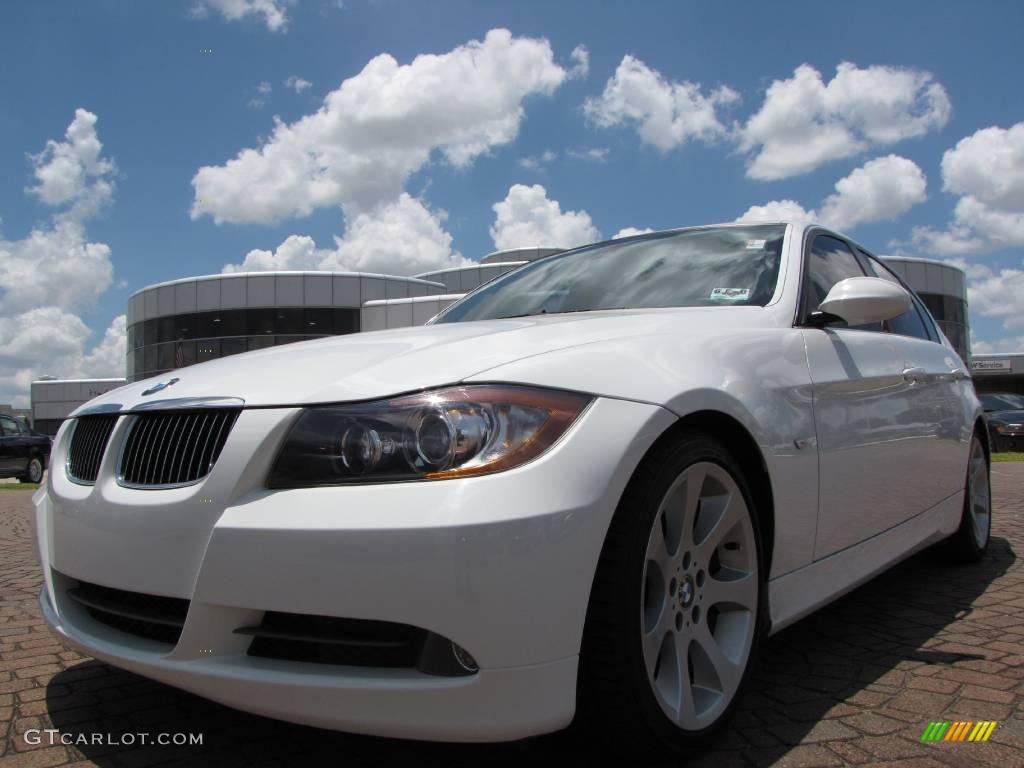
(699, 596)
(979, 493)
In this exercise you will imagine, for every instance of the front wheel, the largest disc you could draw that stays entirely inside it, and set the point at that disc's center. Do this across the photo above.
(970, 541)
(677, 607)
(34, 471)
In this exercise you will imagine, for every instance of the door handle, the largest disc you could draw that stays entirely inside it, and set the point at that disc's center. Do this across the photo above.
(913, 375)
(959, 374)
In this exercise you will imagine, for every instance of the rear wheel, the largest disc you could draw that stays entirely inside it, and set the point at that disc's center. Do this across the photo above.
(970, 541)
(677, 607)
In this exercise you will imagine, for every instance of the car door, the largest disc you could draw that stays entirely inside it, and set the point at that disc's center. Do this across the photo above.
(11, 448)
(863, 412)
(942, 427)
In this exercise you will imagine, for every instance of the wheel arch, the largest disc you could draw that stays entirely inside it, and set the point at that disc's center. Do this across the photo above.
(744, 448)
(981, 429)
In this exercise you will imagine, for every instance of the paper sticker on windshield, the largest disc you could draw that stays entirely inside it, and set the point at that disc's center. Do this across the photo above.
(755, 245)
(729, 294)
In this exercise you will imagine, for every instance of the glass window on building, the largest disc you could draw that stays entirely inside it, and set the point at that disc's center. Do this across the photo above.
(318, 320)
(165, 355)
(149, 361)
(186, 326)
(259, 321)
(346, 320)
(207, 349)
(166, 328)
(149, 335)
(288, 321)
(184, 353)
(233, 346)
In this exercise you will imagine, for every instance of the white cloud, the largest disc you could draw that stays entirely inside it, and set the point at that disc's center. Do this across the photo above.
(777, 210)
(537, 163)
(593, 154)
(986, 169)
(1005, 344)
(526, 217)
(881, 189)
(999, 294)
(272, 11)
(53, 266)
(297, 84)
(580, 62)
(399, 238)
(54, 271)
(262, 92)
(73, 171)
(107, 358)
(805, 122)
(629, 232)
(379, 127)
(666, 114)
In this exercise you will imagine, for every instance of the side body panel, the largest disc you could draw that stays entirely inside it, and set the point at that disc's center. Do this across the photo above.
(873, 458)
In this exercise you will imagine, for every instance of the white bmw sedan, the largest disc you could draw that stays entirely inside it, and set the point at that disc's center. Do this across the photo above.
(588, 490)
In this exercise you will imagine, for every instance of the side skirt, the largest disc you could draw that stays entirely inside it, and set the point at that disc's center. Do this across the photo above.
(798, 593)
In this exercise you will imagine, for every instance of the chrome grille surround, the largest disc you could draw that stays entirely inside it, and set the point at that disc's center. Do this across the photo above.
(87, 445)
(171, 449)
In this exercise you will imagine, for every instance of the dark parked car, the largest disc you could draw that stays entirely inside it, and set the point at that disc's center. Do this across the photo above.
(1005, 415)
(23, 453)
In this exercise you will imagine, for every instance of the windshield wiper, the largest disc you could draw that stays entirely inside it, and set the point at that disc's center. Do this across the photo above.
(561, 312)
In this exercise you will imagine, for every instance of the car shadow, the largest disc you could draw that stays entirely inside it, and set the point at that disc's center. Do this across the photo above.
(856, 650)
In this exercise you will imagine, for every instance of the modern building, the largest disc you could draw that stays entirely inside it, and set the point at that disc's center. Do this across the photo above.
(943, 289)
(998, 372)
(182, 322)
(54, 399)
(381, 314)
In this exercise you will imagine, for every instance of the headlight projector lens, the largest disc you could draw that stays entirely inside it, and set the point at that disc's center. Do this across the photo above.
(435, 439)
(361, 449)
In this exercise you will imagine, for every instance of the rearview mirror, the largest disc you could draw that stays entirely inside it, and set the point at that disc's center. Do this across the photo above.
(863, 300)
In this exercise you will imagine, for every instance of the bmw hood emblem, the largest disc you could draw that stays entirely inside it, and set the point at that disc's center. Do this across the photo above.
(159, 386)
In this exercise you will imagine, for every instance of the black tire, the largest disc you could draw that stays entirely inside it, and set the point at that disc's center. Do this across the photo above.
(35, 468)
(964, 545)
(615, 700)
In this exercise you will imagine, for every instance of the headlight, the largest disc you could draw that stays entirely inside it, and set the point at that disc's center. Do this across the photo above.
(1009, 429)
(471, 430)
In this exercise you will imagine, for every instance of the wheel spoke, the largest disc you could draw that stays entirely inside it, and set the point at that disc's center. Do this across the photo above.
(731, 509)
(657, 551)
(726, 671)
(978, 472)
(740, 589)
(687, 712)
(653, 641)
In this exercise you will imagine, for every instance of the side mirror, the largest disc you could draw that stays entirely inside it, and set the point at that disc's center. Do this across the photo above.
(863, 300)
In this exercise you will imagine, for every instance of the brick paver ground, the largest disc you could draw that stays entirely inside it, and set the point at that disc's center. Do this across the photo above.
(855, 684)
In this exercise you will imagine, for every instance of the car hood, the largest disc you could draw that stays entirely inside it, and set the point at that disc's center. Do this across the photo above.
(365, 366)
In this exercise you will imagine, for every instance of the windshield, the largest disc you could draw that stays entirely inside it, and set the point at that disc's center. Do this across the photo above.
(1002, 402)
(718, 266)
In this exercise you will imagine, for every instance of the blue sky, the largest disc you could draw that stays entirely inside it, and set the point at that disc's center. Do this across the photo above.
(683, 132)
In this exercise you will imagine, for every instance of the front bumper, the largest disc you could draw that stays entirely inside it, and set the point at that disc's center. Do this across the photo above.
(500, 564)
